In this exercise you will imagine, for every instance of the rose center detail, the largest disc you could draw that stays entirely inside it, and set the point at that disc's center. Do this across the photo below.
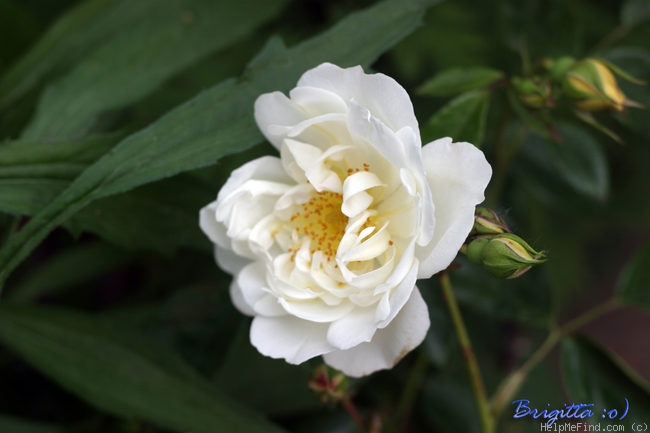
(321, 219)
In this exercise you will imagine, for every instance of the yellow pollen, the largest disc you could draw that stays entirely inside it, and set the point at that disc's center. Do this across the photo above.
(322, 221)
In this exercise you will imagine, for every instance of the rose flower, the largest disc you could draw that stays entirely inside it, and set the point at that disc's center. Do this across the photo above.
(327, 241)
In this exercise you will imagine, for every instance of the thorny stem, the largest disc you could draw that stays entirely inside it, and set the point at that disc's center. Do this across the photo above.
(514, 380)
(487, 422)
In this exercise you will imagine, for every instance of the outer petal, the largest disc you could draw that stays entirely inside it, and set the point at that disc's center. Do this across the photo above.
(380, 94)
(251, 282)
(458, 174)
(288, 337)
(389, 345)
(273, 110)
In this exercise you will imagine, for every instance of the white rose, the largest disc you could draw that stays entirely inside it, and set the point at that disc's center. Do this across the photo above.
(326, 242)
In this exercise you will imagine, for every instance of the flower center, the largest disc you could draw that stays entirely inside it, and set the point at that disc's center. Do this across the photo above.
(322, 221)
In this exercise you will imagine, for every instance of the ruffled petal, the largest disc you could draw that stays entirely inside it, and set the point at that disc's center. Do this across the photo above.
(290, 338)
(458, 174)
(379, 93)
(273, 113)
(389, 345)
(252, 284)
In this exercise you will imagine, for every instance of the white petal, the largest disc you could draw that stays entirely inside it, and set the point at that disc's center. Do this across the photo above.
(273, 109)
(237, 298)
(287, 337)
(316, 101)
(458, 174)
(389, 345)
(357, 327)
(316, 310)
(213, 229)
(252, 284)
(382, 95)
(400, 295)
(355, 197)
(229, 261)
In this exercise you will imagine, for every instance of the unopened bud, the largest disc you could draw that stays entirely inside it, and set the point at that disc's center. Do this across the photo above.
(488, 222)
(534, 92)
(504, 255)
(330, 386)
(593, 87)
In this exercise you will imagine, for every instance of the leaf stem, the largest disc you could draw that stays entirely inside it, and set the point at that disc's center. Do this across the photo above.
(514, 380)
(487, 421)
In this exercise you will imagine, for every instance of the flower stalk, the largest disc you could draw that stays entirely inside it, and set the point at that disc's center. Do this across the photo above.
(487, 420)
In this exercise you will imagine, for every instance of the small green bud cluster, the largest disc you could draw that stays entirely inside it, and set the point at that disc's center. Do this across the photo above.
(588, 84)
(502, 253)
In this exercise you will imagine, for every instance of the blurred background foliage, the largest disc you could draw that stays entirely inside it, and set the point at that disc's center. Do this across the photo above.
(120, 119)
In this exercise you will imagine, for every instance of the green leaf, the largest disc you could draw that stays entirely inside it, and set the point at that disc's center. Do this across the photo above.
(592, 375)
(217, 122)
(61, 45)
(61, 160)
(578, 161)
(635, 12)
(463, 119)
(68, 269)
(137, 60)
(459, 80)
(142, 219)
(10, 424)
(120, 374)
(634, 284)
(34, 173)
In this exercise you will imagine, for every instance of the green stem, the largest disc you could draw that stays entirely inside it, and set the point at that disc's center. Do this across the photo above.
(514, 380)
(487, 422)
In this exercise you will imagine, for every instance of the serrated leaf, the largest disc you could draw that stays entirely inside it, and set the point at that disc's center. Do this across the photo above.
(135, 61)
(120, 374)
(592, 375)
(459, 80)
(217, 122)
(463, 119)
(634, 284)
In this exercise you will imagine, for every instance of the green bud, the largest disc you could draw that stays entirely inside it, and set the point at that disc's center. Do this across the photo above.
(534, 92)
(504, 255)
(487, 222)
(558, 68)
